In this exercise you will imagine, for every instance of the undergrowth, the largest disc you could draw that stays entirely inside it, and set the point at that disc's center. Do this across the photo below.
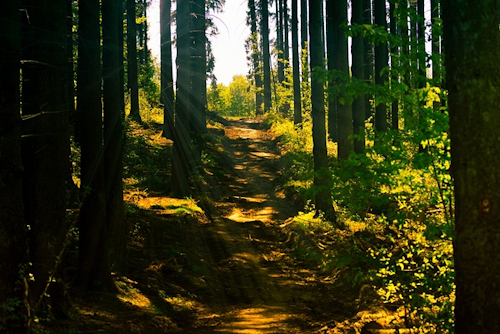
(395, 202)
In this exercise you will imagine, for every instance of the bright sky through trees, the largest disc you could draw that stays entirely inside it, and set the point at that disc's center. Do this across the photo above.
(228, 46)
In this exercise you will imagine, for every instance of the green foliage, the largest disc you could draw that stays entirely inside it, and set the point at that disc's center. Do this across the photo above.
(237, 99)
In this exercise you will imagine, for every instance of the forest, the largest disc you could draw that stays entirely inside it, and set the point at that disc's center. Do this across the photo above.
(348, 183)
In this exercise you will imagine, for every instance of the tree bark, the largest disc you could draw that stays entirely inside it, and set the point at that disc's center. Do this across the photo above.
(297, 105)
(181, 155)
(133, 74)
(94, 269)
(323, 196)
(113, 128)
(358, 105)
(13, 250)
(167, 78)
(472, 43)
(257, 68)
(266, 54)
(381, 61)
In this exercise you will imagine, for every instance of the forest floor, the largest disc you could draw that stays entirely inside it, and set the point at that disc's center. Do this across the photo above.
(223, 263)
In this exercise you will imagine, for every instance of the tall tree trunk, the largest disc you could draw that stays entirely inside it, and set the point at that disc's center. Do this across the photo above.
(279, 40)
(181, 155)
(394, 74)
(297, 105)
(45, 144)
(113, 127)
(94, 268)
(381, 61)
(332, 64)
(436, 42)
(323, 196)
(167, 78)
(340, 43)
(13, 252)
(304, 20)
(199, 73)
(421, 54)
(358, 105)
(266, 54)
(368, 56)
(133, 75)
(257, 68)
(472, 43)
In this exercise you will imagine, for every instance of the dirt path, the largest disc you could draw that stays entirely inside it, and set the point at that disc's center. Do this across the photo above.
(256, 286)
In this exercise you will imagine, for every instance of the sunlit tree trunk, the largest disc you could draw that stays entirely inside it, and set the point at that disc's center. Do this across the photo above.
(472, 44)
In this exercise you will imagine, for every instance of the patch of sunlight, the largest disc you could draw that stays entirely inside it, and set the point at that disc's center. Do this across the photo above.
(180, 304)
(76, 180)
(255, 320)
(263, 215)
(130, 295)
(355, 226)
(169, 205)
(308, 221)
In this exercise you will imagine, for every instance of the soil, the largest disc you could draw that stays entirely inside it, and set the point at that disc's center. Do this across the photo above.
(228, 268)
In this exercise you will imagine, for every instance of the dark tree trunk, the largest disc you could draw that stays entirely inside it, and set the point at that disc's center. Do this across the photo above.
(304, 19)
(266, 54)
(167, 78)
(297, 106)
(381, 61)
(181, 155)
(421, 54)
(394, 74)
(323, 196)
(113, 127)
(279, 40)
(368, 56)
(199, 73)
(257, 68)
(13, 252)
(94, 268)
(332, 64)
(436, 42)
(358, 105)
(133, 75)
(337, 10)
(45, 144)
(472, 45)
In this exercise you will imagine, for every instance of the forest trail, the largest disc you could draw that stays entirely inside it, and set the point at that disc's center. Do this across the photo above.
(257, 287)
(225, 266)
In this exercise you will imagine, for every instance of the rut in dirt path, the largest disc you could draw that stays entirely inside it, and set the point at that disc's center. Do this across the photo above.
(256, 286)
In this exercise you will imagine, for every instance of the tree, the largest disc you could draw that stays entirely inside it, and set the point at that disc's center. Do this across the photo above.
(472, 45)
(338, 45)
(368, 55)
(167, 78)
(254, 49)
(133, 74)
(323, 196)
(266, 54)
(199, 72)
(112, 98)
(94, 267)
(181, 155)
(45, 144)
(297, 105)
(394, 61)
(381, 61)
(12, 227)
(358, 105)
